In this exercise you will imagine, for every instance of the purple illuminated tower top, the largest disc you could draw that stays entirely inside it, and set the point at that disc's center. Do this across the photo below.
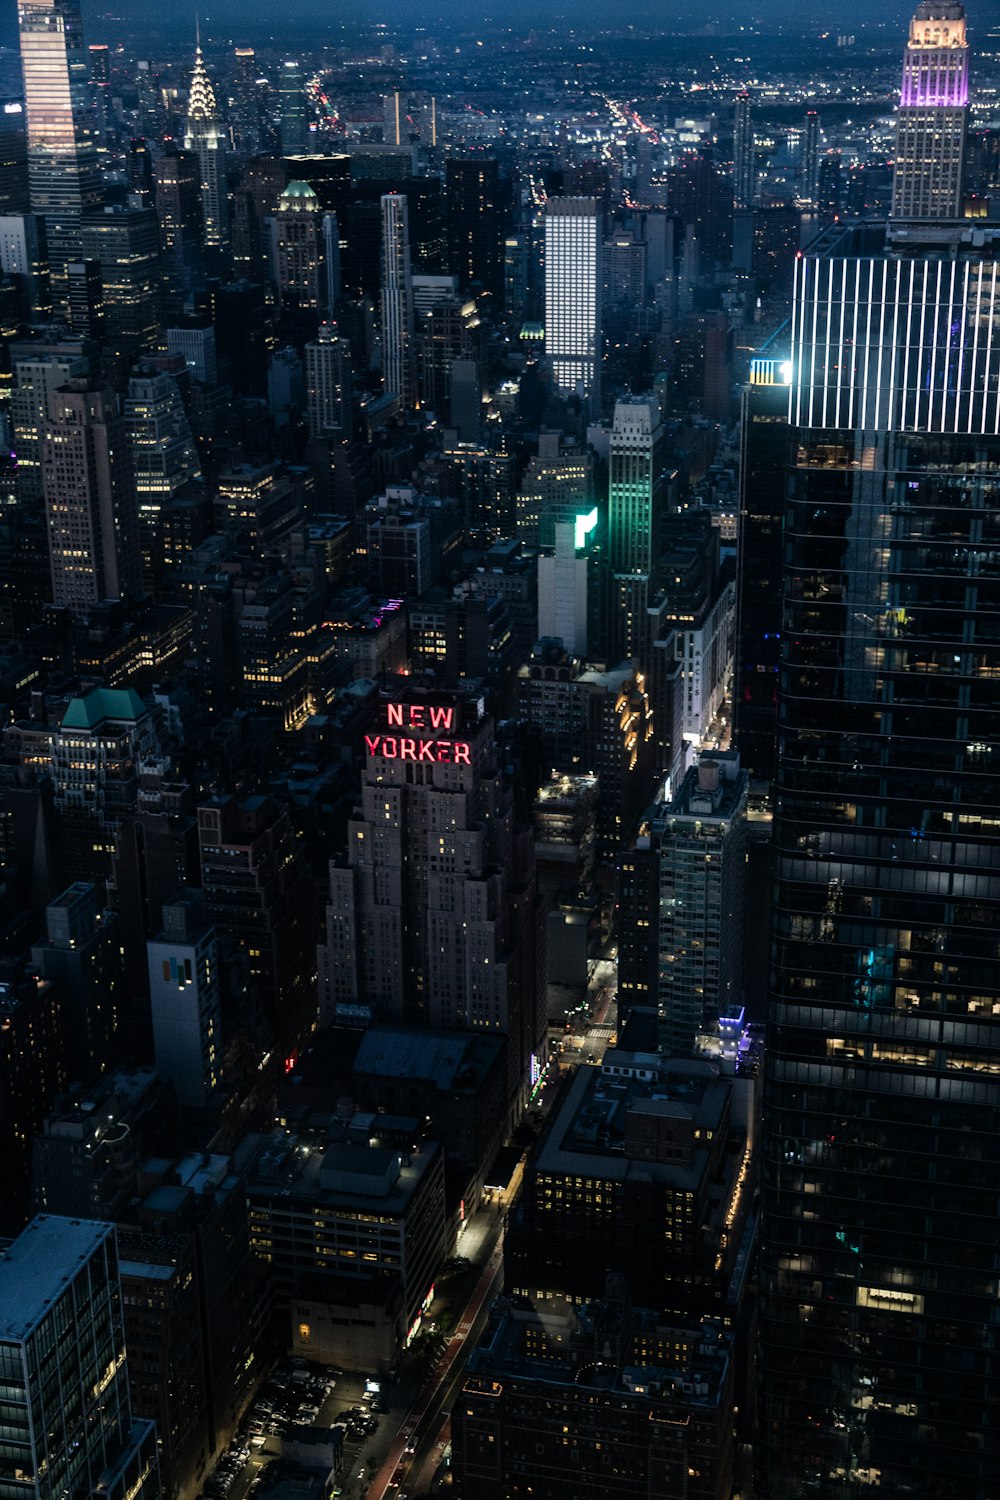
(933, 105)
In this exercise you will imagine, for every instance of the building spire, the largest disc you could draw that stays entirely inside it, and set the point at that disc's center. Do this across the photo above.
(201, 97)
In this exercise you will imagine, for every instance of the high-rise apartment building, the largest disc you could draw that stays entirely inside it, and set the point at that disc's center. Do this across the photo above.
(701, 839)
(434, 917)
(744, 166)
(637, 496)
(878, 1270)
(809, 169)
(398, 355)
(62, 1353)
(204, 136)
(574, 238)
(90, 501)
(933, 114)
(63, 174)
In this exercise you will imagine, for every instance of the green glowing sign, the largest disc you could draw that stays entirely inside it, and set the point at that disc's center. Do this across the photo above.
(584, 526)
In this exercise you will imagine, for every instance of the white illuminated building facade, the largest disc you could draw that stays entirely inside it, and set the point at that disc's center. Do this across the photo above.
(398, 363)
(573, 282)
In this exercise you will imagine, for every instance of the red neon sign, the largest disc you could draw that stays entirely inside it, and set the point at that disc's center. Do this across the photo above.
(418, 747)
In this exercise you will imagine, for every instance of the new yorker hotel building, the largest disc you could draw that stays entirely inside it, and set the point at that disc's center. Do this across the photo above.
(434, 916)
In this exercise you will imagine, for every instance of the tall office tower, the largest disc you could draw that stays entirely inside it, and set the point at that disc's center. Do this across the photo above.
(246, 112)
(573, 284)
(205, 137)
(933, 114)
(331, 263)
(297, 249)
(809, 176)
(39, 367)
(164, 458)
(515, 275)
(260, 896)
(701, 838)
(62, 1351)
(177, 193)
(475, 222)
(878, 1270)
(744, 166)
(14, 197)
(764, 459)
(328, 384)
(636, 503)
(63, 174)
(90, 502)
(82, 954)
(184, 995)
(124, 240)
(292, 108)
(434, 916)
(398, 354)
(85, 300)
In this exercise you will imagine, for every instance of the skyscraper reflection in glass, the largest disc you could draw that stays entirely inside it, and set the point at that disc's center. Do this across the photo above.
(879, 1243)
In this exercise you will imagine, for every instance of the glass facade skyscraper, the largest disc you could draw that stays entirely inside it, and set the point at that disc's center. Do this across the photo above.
(879, 1270)
(636, 504)
(68, 1431)
(63, 175)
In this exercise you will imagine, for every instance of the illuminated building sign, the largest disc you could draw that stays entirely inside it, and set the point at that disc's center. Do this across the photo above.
(422, 743)
(584, 526)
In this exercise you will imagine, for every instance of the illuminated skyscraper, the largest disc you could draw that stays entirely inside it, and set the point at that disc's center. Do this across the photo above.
(743, 158)
(63, 176)
(573, 284)
(809, 176)
(328, 384)
(205, 136)
(292, 103)
(878, 1267)
(297, 248)
(163, 452)
(398, 362)
(636, 497)
(933, 113)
